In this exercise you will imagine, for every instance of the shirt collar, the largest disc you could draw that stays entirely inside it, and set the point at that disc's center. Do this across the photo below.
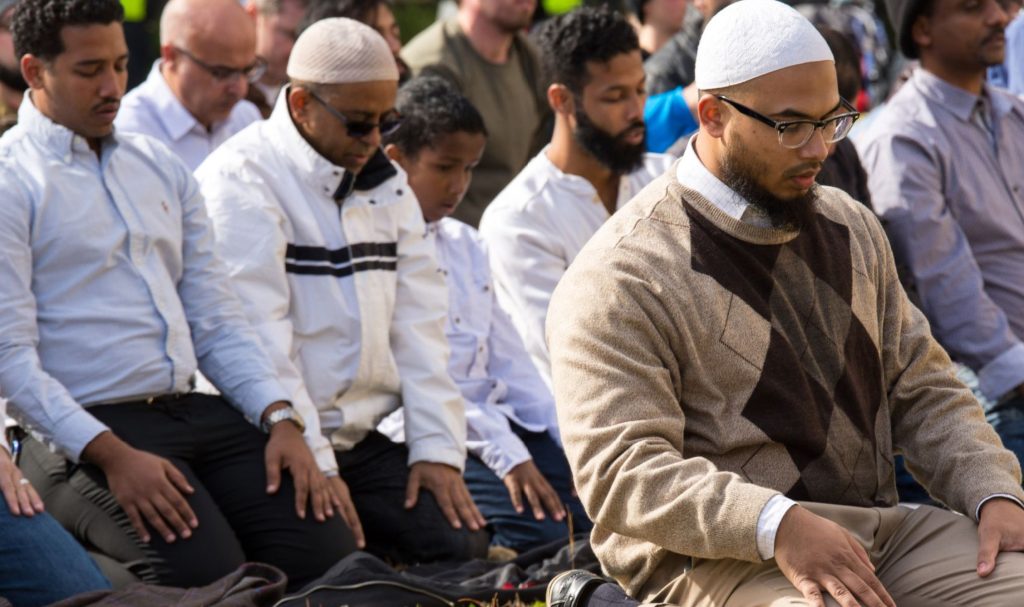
(692, 173)
(175, 119)
(955, 99)
(54, 137)
(295, 146)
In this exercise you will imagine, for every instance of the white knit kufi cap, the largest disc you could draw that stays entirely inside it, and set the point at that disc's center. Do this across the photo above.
(339, 51)
(751, 38)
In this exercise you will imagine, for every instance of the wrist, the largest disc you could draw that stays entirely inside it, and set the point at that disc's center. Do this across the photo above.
(106, 449)
(275, 416)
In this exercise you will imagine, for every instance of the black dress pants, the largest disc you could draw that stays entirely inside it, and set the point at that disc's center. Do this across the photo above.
(222, 456)
(376, 471)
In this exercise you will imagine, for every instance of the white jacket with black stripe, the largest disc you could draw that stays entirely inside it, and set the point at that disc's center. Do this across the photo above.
(346, 294)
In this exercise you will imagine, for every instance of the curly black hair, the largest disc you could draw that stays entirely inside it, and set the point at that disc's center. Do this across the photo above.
(569, 41)
(36, 24)
(364, 11)
(431, 107)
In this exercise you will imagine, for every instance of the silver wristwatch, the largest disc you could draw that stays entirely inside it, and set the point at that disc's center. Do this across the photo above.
(283, 414)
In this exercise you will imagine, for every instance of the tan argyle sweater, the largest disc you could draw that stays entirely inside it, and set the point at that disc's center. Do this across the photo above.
(702, 365)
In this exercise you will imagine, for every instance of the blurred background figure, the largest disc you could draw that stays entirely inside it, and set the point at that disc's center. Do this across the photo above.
(194, 97)
(378, 14)
(1010, 74)
(485, 53)
(277, 23)
(12, 85)
(659, 21)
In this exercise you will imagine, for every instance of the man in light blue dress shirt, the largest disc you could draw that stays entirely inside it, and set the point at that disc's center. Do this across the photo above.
(113, 300)
(945, 164)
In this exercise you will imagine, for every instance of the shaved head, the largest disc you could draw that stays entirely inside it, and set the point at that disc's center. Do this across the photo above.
(205, 47)
(185, 20)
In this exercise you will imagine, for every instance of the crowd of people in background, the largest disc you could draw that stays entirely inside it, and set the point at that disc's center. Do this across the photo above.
(719, 283)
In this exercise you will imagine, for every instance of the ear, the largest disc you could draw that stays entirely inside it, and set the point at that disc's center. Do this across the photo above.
(32, 69)
(921, 32)
(168, 56)
(561, 100)
(394, 153)
(298, 103)
(709, 114)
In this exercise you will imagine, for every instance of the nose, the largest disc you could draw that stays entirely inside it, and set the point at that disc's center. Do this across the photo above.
(460, 183)
(636, 108)
(816, 147)
(113, 84)
(997, 14)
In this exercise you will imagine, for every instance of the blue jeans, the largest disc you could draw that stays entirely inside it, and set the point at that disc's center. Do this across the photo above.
(521, 532)
(40, 563)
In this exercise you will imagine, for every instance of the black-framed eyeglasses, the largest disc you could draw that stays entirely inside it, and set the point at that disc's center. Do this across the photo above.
(796, 133)
(361, 128)
(251, 73)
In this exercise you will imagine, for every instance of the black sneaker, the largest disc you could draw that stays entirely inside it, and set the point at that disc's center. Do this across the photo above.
(572, 588)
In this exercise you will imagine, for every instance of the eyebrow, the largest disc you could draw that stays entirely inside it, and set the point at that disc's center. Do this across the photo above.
(94, 62)
(791, 113)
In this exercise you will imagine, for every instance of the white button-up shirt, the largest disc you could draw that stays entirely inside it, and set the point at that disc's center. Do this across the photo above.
(488, 360)
(536, 227)
(152, 109)
(111, 288)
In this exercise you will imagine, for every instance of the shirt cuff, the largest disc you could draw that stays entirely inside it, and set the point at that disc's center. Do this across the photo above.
(257, 397)
(768, 524)
(1002, 374)
(438, 453)
(977, 511)
(501, 456)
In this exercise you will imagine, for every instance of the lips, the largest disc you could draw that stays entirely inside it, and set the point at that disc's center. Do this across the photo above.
(107, 111)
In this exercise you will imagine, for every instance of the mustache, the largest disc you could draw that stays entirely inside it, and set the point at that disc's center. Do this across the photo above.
(107, 103)
(802, 168)
(635, 126)
(997, 34)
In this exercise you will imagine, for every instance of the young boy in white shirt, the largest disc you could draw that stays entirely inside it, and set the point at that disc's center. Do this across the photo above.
(516, 471)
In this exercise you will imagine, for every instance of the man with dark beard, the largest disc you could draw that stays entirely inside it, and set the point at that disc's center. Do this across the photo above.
(485, 53)
(595, 163)
(736, 363)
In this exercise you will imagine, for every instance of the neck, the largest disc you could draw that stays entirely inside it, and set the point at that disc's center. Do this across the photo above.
(652, 38)
(487, 39)
(571, 158)
(708, 154)
(971, 80)
(172, 83)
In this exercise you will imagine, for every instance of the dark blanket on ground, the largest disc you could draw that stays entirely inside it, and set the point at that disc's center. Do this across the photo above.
(363, 580)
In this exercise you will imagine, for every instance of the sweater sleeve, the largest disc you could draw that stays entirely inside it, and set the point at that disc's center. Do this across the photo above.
(937, 423)
(617, 383)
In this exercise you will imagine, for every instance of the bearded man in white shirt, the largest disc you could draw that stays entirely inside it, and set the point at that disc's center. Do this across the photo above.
(194, 97)
(325, 245)
(596, 162)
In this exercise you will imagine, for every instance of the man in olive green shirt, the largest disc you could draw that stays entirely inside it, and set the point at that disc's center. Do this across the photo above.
(484, 52)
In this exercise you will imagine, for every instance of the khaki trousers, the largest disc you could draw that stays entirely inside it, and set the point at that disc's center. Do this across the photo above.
(925, 557)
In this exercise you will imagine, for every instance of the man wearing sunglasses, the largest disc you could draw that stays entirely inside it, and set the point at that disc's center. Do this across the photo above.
(326, 246)
(736, 362)
(194, 98)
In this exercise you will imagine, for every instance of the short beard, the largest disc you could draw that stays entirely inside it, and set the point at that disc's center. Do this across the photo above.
(610, 150)
(741, 172)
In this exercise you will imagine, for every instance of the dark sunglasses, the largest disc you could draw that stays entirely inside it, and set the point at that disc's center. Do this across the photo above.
(251, 73)
(361, 128)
